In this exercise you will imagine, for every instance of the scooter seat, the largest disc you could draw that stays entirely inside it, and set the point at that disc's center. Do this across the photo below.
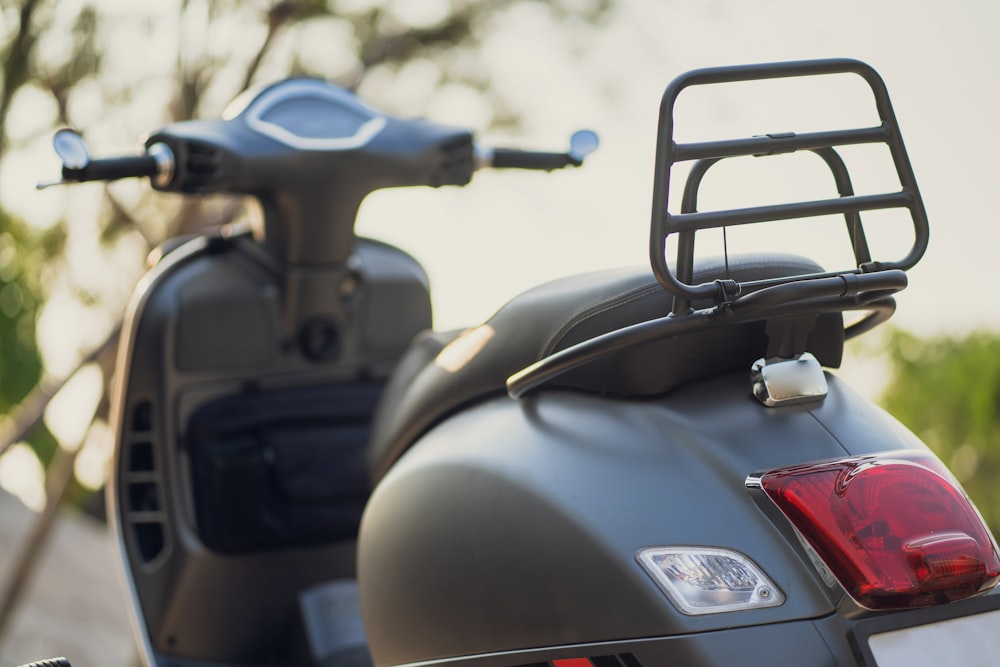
(442, 372)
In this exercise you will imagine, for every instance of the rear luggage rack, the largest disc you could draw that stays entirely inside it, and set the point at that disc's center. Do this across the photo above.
(688, 221)
(789, 304)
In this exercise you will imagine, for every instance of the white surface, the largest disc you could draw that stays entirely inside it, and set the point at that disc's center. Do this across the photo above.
(972, 641)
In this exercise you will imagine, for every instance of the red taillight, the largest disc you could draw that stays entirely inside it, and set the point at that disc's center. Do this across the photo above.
(896, 530)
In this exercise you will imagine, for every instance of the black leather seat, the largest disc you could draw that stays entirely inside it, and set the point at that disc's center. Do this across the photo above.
(443, 372)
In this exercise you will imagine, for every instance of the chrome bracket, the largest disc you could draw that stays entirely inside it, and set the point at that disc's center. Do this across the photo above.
(779, 382)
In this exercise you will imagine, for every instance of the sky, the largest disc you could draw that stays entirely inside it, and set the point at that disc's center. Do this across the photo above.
(506, 232)
(941, 67)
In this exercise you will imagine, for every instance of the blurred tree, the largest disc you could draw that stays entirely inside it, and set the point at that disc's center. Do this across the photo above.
(22, 254)
(947, 391)
(119, 69)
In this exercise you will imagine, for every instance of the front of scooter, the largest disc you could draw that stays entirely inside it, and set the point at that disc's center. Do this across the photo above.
(250, 365)
(636, 468)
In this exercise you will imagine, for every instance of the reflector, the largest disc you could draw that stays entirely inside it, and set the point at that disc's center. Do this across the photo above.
(707, 580)
(896, 529)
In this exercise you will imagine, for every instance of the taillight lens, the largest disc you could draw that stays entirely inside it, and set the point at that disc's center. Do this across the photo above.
(896, 530)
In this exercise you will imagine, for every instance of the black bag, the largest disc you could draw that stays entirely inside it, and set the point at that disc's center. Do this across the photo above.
(282, 467)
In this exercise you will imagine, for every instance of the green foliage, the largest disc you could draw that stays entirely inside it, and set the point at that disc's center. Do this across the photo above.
(947, 390)
(23, 255)
(20, 294)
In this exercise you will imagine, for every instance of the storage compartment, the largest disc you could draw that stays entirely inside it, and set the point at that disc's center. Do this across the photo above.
(281, 468)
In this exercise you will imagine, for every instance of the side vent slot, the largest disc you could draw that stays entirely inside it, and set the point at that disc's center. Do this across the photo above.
(201, 166)
(141, 486)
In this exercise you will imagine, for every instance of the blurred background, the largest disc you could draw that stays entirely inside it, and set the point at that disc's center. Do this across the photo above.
(519, 72)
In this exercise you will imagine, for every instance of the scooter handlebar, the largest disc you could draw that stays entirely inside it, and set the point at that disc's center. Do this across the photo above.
(309, 153)
(78, 167)
(581, 144)
(112, 169)
(509, 158)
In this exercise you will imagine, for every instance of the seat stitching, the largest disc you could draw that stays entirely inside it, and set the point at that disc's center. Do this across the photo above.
(610, 303)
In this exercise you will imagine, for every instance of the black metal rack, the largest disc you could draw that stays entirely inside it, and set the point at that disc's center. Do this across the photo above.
(687, 222)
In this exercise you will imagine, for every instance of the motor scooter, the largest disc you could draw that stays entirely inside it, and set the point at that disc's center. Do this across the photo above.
(639, 467)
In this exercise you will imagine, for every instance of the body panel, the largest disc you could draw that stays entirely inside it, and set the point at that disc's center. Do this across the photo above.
(207, 325)
(514, 524)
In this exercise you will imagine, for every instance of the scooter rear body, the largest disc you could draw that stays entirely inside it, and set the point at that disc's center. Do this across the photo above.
(512, 532)
(520, 548)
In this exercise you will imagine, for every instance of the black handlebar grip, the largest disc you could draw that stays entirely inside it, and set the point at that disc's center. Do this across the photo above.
(111, 169)
(507, 158)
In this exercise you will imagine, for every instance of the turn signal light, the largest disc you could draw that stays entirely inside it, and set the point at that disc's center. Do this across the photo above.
(896, 530)
(709, 580)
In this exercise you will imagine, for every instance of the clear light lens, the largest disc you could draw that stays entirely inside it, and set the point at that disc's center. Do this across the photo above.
(704, 580)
